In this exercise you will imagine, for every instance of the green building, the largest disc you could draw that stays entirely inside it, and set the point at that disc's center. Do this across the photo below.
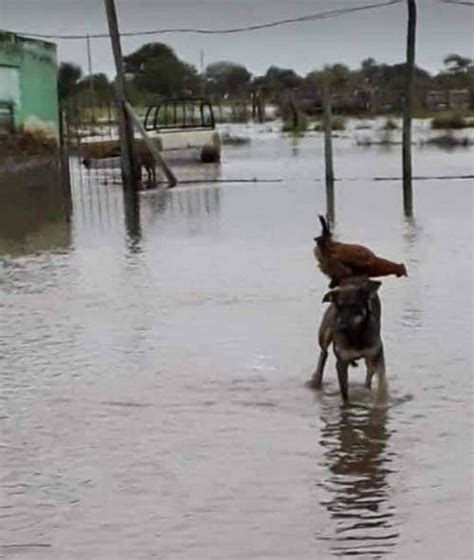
(28, 85)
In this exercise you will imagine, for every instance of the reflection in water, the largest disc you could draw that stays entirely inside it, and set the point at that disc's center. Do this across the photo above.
(106, 209)
(411, 232)
(295, 141)
(196, 203)
(354, 443)
(131, 204)
(33, 219)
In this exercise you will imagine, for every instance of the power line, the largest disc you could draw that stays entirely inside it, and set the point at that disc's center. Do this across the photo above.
(225, 31)
(458, 2)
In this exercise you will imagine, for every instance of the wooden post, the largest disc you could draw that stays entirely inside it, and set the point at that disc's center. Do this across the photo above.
(294, 111)
(64, 164)
(328, 159)
(151, 146)
(408, 110)
(89, 65)
(201, 72)
(260, 108)
(129, 170)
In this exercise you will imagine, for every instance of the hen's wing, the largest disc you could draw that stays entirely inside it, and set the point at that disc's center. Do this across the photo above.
(355, 257)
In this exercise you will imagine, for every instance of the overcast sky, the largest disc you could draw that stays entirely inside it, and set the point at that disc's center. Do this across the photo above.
(442, 29)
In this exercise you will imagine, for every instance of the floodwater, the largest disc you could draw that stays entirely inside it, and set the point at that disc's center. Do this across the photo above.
(153, 364)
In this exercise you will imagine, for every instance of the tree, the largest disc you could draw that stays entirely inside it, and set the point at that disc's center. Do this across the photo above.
(102, 88)
(68, 76)
(156, 68)
(457, 64)
(227, 78)
(369, 70)
(336, 78)
(280, 79)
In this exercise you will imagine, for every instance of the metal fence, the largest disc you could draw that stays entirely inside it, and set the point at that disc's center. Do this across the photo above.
(92, 142)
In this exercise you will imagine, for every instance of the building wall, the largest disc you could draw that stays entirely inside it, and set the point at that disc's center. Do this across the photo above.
(28, 74)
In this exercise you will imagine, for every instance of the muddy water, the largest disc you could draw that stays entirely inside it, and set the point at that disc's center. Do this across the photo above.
(152, 364)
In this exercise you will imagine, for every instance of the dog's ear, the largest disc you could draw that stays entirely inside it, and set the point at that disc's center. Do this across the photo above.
(331, 296)
(374, 286)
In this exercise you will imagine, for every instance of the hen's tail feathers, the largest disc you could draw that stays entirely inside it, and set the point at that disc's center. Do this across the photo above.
(325, 230)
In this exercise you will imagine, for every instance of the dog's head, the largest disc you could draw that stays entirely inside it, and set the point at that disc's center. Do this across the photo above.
(354, 303)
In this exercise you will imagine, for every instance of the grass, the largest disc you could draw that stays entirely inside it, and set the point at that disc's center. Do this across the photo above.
(451, 120)
(337, 123)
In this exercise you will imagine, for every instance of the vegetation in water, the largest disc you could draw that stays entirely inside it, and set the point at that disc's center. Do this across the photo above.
(390, 124)
(298, 125)
(451, 119)
(449, 141)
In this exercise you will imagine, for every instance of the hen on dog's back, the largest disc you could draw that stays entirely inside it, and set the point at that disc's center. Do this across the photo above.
(343, 260)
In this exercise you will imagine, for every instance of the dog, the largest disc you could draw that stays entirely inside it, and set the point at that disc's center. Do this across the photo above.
(352, 325)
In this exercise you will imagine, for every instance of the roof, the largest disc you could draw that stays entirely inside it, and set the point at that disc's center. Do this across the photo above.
(9, 36)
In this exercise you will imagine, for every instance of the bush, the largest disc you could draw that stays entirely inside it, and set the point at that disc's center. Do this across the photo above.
(450, 119)
(390, 124)
(301, 125)
(337, 123)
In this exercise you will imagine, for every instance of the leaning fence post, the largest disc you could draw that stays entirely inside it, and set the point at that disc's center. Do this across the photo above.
(408, 110)
(328, 159)
(129, 174)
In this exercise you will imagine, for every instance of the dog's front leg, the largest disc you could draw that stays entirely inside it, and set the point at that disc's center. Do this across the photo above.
(317, 379)
(342, 369)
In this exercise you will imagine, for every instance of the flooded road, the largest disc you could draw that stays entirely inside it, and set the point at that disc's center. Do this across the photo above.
(153, 364)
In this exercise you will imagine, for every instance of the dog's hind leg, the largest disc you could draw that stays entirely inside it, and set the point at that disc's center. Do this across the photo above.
(342, 369)
(370, 373)
(382, 385)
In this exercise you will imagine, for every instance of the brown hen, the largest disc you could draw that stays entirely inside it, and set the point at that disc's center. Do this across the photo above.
(342, 260)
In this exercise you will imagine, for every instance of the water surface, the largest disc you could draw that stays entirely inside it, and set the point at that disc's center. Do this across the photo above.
(153, 364)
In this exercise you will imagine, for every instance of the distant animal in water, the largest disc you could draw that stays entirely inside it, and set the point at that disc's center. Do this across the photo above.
(352, 325)
(146, 160)
(343, 260)
(143, 156)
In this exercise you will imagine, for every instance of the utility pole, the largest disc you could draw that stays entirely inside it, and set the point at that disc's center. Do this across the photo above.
(201, 70)
(125, 128)
(408, 110)
(201, 61)
(328, 159)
